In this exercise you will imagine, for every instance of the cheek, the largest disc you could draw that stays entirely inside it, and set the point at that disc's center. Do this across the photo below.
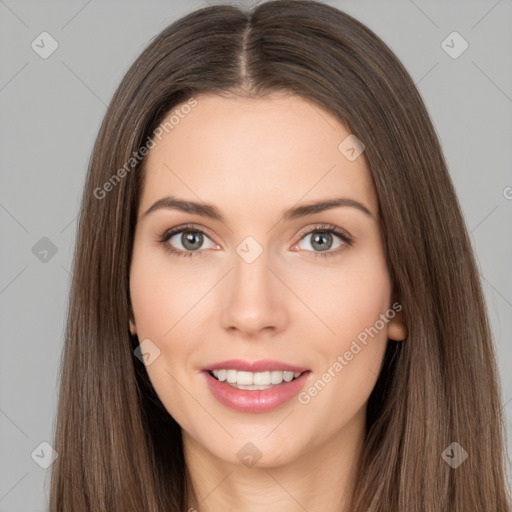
(161, 293)
(351, 302)
(360, 299)
(346, 298)
(161, 301)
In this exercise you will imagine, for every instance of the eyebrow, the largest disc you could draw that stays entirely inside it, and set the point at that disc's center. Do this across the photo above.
(212, 212)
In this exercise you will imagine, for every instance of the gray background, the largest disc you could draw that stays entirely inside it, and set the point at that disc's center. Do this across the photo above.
(51, 110)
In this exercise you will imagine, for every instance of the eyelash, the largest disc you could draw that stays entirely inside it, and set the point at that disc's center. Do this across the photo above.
(324, 228)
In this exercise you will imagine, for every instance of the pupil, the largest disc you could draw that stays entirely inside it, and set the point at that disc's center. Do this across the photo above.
(324, 237)
(188, 238)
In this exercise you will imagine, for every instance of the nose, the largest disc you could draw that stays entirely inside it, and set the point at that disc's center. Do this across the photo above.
(254, 300)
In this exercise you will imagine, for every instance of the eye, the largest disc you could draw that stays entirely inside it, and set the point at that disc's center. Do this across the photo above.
(321, 240)
(190, 238)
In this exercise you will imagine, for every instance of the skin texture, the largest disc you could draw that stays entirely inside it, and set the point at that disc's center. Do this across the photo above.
(253, 158)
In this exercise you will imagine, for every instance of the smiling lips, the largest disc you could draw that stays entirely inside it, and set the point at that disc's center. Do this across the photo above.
(257, 386)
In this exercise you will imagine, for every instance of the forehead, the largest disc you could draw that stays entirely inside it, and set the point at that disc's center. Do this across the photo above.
(241, 153)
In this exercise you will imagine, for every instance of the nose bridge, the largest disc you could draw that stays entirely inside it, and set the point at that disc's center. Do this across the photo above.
(254, 302)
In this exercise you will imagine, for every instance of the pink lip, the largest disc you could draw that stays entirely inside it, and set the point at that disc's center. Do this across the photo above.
(264, 365)
(258, 400)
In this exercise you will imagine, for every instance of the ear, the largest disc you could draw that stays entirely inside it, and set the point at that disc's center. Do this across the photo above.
(397, 330)
(131, 319)
(133, 328)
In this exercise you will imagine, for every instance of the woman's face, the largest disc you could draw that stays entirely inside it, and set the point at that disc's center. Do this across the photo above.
(258, 284)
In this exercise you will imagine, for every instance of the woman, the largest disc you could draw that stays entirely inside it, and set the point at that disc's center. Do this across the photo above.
(323, 344)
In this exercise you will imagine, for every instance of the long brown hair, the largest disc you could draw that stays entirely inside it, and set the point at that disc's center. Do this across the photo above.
(119, 449)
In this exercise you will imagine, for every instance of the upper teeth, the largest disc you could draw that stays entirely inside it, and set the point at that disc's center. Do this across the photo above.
(256, 378)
